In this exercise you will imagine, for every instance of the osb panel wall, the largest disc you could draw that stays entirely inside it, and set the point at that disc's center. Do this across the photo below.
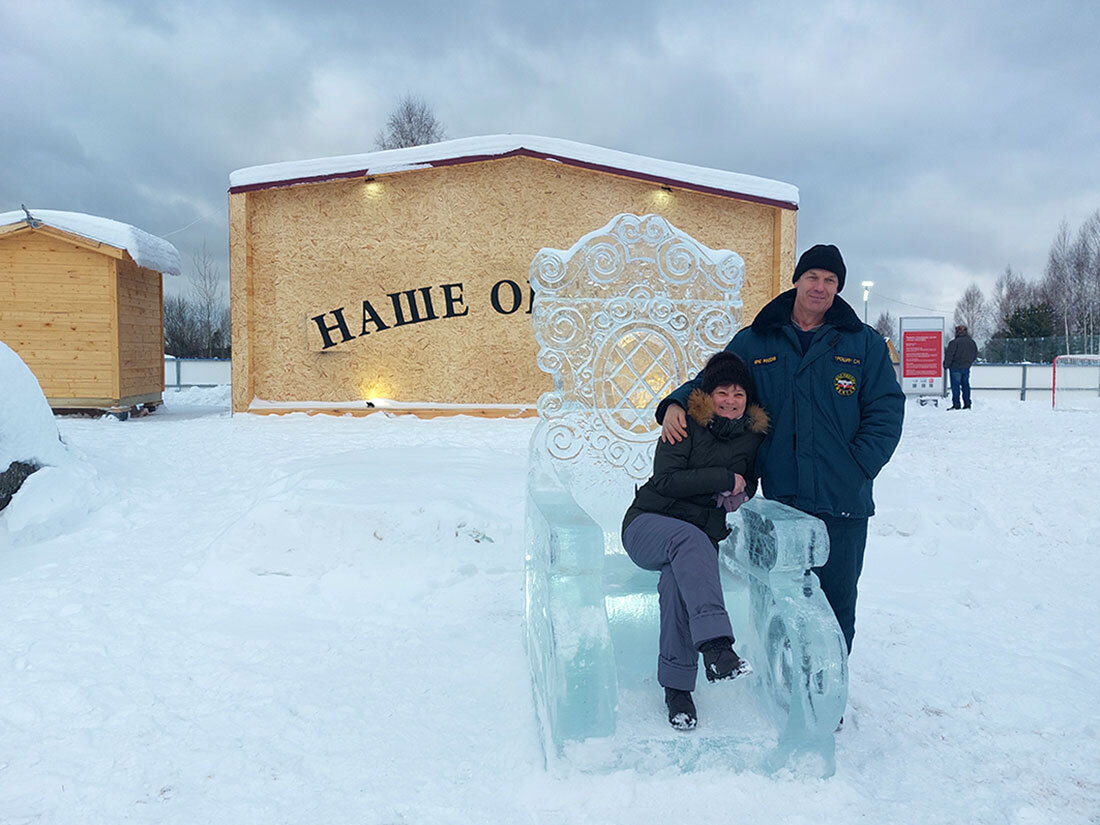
(57, 312)
(240, 300)
(784, 253)
(375, 254)
(140, 330)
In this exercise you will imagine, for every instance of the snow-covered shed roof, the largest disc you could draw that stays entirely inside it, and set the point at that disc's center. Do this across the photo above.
(490, 147)
(147, 250)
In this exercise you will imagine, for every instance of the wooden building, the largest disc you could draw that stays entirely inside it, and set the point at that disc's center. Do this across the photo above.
(399, 279)
(81, 302)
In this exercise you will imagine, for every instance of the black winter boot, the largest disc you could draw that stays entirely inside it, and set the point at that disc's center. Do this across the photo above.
(720, 662)
(681, 710)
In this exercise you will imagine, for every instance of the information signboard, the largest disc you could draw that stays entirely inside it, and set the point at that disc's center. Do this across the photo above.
(922, 349)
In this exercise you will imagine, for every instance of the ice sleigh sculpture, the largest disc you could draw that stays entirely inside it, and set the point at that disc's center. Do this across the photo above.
(622, 318)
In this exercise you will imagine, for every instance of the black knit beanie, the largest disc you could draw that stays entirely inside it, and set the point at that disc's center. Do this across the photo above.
(725, 368)
(822, 256)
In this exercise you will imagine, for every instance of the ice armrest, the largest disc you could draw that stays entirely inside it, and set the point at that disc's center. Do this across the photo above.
(573, 543)
(767, 536)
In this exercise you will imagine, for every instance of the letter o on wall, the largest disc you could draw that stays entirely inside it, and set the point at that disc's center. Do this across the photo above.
(517, 297)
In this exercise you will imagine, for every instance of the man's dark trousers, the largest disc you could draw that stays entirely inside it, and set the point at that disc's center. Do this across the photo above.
(960, 379)
(840, 574)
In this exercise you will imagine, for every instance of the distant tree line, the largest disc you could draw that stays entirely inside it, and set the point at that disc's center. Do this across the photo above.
(196, 322)
(1063, 307)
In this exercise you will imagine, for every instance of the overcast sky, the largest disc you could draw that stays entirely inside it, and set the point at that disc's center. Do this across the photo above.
(934, 142)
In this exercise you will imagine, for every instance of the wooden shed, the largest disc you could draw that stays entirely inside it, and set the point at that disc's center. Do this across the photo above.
(81, 302)
(399, 279)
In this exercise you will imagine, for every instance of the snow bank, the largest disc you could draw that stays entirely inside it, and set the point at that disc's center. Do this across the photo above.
(147, 250)
(27, 429)
(219, 396)
(56, 497)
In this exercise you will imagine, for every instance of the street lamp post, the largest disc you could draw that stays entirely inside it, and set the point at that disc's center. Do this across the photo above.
(866, 296)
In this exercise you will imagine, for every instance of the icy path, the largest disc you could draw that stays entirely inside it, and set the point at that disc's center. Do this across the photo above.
(317, 620)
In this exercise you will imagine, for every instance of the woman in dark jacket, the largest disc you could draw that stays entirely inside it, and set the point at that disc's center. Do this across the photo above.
(679, 516)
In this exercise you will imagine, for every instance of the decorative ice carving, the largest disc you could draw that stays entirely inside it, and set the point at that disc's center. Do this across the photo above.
(622, 318)
(626, 315)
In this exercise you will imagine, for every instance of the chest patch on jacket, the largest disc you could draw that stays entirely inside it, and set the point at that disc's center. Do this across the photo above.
(844, 383)
(771, 359)
(844, 359)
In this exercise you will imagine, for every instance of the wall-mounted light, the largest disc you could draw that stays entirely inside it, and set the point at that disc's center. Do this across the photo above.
(372, 187)
(662, 196)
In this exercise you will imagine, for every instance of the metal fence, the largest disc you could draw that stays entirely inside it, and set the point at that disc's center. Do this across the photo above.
(1036, 350)
(1032, 381)
(196, 372)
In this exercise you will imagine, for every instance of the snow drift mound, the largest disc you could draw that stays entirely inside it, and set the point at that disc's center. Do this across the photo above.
(43, 485)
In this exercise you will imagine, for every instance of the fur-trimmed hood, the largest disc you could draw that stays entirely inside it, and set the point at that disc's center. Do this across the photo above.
(777, 313)
(701, 408)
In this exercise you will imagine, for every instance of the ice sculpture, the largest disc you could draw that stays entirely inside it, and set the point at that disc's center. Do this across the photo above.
(792, 637)
(622, 318)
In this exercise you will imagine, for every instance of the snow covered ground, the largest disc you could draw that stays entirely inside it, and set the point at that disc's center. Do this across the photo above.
(317, 620)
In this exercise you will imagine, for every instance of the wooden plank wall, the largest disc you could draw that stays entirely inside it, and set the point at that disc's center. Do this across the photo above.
(140, 330)
(56, 311)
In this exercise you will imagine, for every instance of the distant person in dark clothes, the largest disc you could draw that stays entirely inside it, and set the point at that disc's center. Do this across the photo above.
(677, 519)
(835, 408)
(962, 352)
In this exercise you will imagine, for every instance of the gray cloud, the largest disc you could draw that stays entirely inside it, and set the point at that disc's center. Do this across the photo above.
(934, 143)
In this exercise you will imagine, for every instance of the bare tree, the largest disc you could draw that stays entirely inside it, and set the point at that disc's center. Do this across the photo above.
(1071, 285)
(208, 297)
(196, 324)
(971, 312)
(885, 325)
(1084, 275)
(411, 123)
(1058, 285)
(180, 329)
(1010, 293)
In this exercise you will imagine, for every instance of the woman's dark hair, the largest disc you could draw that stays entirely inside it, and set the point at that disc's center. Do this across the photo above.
(725, 368)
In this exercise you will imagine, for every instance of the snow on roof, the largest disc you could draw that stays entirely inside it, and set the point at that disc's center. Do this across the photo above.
(147, 250)
(465, 150)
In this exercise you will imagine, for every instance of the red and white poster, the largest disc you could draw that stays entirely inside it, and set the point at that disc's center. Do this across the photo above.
(922, 347)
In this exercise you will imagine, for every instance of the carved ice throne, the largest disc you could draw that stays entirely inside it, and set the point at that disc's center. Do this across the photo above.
(622, 318)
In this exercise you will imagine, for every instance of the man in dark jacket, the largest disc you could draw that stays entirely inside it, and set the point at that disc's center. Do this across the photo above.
(962, 352)
(826, 381)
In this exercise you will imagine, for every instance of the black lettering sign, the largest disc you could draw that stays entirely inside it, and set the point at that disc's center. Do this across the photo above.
(370, 315)
(517, 297)
(414, 306)
(340, 324)
(452, 301)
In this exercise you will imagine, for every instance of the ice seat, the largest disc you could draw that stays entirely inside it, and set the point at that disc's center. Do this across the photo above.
(622, 318)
